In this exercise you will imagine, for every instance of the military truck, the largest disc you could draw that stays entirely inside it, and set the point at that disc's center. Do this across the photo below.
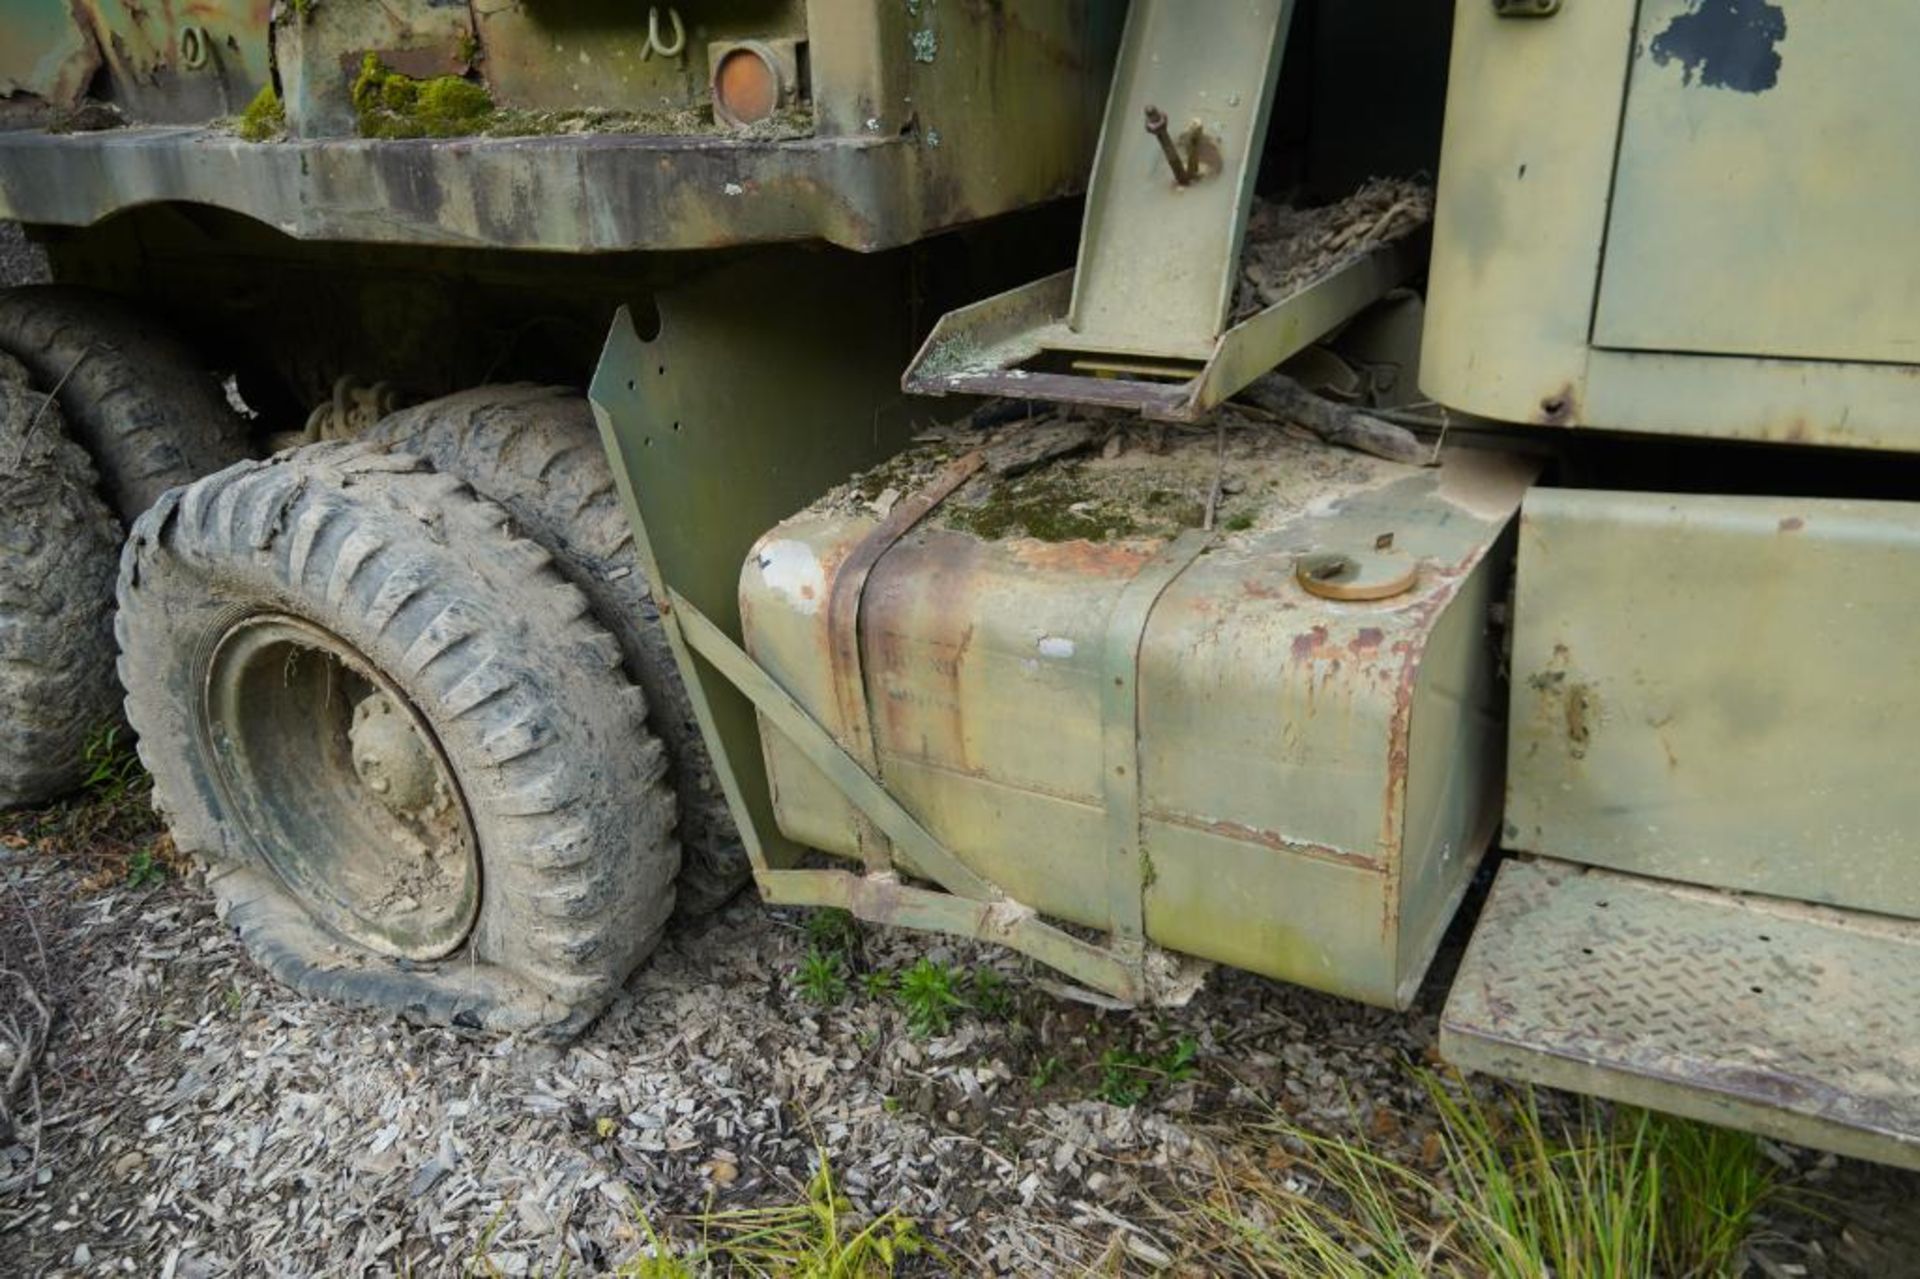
(1148, 485)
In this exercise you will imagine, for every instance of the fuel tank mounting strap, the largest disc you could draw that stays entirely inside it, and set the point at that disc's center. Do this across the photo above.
(843, 631)
(1127, 871)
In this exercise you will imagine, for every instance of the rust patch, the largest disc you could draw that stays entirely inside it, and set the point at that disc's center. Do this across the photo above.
(1270, 839)
(1581, 709)
(1307, 644)
(1792, 524)
(1082, 558)
(1573, 702)
(1367, 640)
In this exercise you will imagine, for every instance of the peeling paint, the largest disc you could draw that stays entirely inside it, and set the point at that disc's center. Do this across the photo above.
(790, 568)
(1725, 44)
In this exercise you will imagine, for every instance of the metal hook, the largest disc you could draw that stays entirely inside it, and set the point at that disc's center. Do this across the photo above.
(193, 47)
(654, 45)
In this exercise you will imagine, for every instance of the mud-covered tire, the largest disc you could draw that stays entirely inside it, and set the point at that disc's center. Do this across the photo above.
(537, 452)
(542, 733)
(59, 551)
(135, 397)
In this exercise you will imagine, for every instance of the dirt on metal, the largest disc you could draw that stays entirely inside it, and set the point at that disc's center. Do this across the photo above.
(1288, 248)
(1123, 479)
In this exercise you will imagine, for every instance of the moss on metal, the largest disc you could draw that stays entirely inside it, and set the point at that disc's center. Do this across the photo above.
(1051, 506)
(392, 105)
(265, 117)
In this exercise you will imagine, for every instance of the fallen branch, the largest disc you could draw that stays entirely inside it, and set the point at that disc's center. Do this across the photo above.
(1287, 400)
(23, 1044)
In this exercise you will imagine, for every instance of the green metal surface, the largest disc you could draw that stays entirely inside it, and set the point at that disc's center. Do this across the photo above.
(730, 417)
(1720, 690)
(168, 62)
(542, 56)
(1210, 76)
(1792, 1021)
(682, 433)
(1533, 141)
(1767, 207)
(573, 194)
(1143, 316)
(970, 906)
(1287, 824)
(45, 53)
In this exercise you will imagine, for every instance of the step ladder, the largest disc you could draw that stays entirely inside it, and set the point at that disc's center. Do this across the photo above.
(1798, 1022)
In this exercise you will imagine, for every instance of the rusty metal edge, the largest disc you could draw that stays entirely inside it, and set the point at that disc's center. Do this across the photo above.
(1510, 1058)
(843, 630)
(860, 787)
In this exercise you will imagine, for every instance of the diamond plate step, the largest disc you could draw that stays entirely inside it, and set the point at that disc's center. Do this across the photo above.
(1798, 1022)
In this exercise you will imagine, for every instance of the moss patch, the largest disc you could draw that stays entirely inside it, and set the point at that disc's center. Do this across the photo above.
(1055, 505)
(265, 117)
(391, 105)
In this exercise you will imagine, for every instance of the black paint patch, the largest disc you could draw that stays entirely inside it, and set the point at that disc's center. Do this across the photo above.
(1726, 44)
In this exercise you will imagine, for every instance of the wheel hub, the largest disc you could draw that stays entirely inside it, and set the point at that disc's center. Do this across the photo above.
(341, 786)
(392, 760)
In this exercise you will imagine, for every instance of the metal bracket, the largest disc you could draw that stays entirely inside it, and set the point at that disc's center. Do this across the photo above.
(980, 349)
(1141, 321)
(1120, 734)
(970, 907)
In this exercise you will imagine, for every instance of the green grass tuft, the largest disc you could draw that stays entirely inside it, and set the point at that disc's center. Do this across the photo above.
(821, 978)
(1609, 1193)
(818, 1237)
(1127, 1077)
(113, 769)
(930, 994)
(834, 931)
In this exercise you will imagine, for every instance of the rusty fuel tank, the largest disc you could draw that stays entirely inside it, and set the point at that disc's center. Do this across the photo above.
(1316, 773)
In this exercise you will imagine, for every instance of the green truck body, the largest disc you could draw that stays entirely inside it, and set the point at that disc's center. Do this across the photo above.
(1631, 622)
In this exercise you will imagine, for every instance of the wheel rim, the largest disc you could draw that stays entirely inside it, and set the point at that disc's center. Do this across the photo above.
(342, 787)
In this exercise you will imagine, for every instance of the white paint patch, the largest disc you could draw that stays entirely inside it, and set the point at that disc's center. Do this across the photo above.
(792, 570)
(1055, 646)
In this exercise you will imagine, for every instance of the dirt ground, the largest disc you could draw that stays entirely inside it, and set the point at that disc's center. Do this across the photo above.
(192, 1118)
(21, 261)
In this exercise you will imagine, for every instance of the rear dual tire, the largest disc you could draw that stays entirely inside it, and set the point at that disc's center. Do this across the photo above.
(59, 548)
(94, 400)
